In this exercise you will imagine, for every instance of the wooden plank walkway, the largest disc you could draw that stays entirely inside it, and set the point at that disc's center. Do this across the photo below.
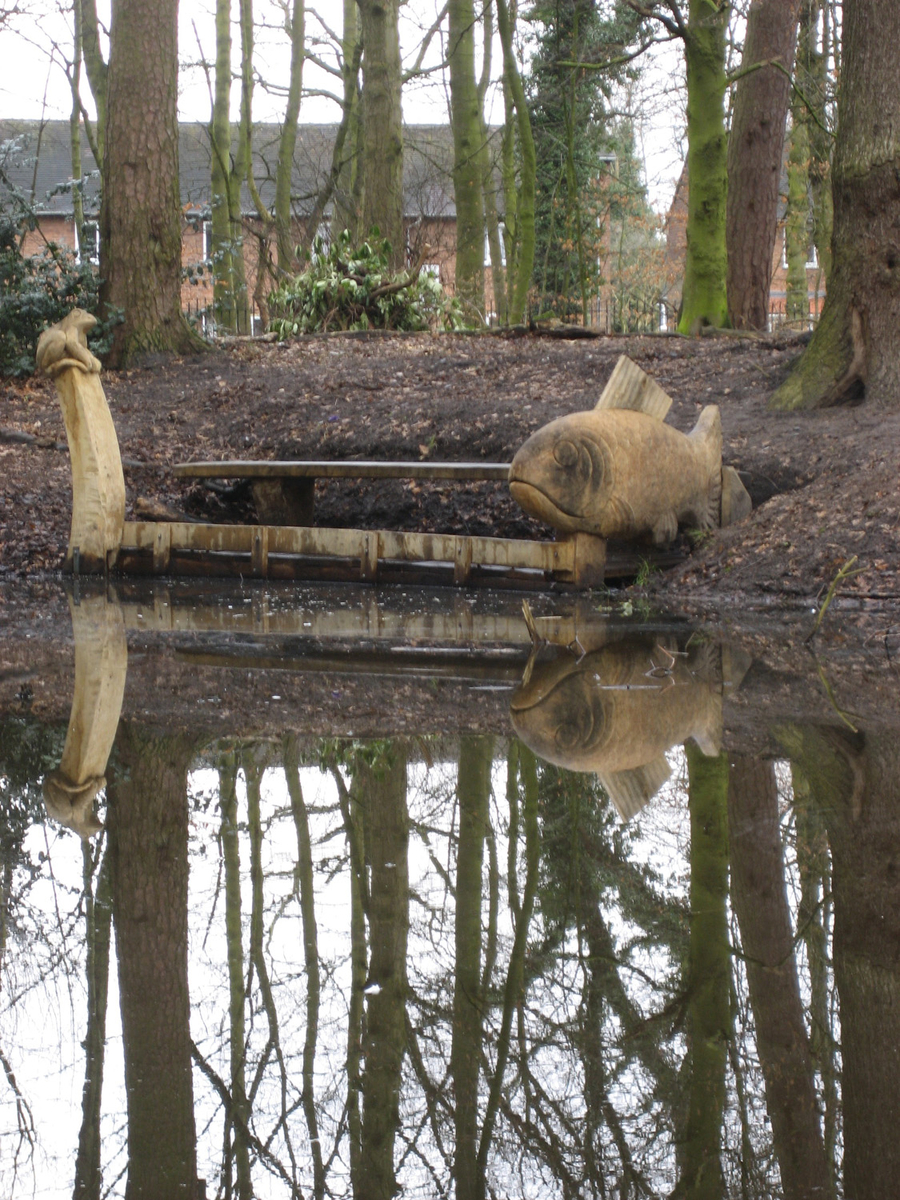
(357, 555)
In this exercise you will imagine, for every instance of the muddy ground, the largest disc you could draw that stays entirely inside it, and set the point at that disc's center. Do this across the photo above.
(824, 485)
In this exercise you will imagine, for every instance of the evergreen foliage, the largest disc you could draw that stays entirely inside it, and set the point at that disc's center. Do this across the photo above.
(574, 142)
(344, 288)
(36, 291)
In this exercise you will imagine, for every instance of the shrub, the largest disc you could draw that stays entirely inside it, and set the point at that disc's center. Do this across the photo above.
(343, 288)
(36, 291)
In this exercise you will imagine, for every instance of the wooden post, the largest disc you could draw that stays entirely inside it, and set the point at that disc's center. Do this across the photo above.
(98, 485)
(589, 566)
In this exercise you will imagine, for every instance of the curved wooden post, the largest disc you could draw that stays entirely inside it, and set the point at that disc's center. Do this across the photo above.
(101, 664)
(98, 485)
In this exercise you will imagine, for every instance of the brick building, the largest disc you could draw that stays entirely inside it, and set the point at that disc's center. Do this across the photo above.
(36, 163)
(676, 248)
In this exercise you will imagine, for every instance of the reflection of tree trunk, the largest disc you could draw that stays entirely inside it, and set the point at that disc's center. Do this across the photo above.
(97, 918)
(304, 880)
(709, 976)
(813, 919)
(760, 903)
(382, 793)
(148, 834)
(522, 910)
(473, 789)
(353, 826)
(858, 787)
(234, 940)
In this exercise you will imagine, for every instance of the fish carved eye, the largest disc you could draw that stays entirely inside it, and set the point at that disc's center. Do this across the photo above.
(566, 454)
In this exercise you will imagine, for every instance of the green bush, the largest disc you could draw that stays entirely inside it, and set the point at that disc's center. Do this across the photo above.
(36, 291)
(343, 287)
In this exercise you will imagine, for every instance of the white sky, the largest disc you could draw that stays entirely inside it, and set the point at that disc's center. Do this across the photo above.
(33, 82)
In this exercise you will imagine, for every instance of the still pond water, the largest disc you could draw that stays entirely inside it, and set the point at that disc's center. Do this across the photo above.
(320, 895)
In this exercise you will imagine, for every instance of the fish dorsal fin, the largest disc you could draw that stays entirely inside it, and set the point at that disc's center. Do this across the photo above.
(630, 387)
(631, 789)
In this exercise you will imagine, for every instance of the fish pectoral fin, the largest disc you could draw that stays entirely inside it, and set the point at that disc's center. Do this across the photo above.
(630, 790)
(631, 388)
(665, 529)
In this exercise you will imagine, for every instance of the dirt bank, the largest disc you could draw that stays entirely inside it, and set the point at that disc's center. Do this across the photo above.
(824, 486)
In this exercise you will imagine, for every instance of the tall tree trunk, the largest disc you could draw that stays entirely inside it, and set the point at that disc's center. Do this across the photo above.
(383, 801)
(222, 253)
(759, 896)
(755, 148)
(140, 250)
(856, 345)
(709, 979)
(348, 176)
(524, 207)
(296, 29)
(473, 789)
(96, 71)
(489, 186)
(703, 296)
(466, 120)
(382, 148)
(796, 223)
(148, 839)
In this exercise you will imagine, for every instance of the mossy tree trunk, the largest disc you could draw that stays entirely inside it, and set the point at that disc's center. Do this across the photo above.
(382, 146)
(466, 122)
(856, 345)
(295, 25)
(703, 298)
(755, 148)
(491, 218)
(140, 251)
(524, 206)
(346, 166)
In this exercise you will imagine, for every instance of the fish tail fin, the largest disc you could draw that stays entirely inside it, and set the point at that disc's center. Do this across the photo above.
(707, 433)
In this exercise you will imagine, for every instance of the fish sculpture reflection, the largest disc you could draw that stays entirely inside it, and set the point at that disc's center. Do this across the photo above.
(617, 710)
(618, 471)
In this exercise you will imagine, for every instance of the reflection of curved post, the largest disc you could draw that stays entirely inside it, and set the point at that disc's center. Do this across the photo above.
(101, 663)
(98, 485)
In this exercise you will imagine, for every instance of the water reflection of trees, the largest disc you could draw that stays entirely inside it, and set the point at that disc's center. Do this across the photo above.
(449, 968)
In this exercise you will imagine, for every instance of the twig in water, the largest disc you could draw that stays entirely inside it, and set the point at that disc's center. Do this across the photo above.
(846, 572)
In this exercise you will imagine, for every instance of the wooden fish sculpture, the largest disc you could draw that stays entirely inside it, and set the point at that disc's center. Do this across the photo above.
(617, 710)
(617, 471)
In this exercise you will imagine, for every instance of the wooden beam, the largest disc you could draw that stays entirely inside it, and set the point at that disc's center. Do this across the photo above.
(475, 472)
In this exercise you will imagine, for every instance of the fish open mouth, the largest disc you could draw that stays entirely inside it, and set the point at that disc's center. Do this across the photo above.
(538, 504)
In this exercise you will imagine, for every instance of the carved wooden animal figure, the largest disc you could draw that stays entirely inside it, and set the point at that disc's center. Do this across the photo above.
(65, 345)
(98, 485)
(618, 471)
(617, 711)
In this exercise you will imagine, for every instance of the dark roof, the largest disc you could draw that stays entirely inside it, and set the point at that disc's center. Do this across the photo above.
(36, 160)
